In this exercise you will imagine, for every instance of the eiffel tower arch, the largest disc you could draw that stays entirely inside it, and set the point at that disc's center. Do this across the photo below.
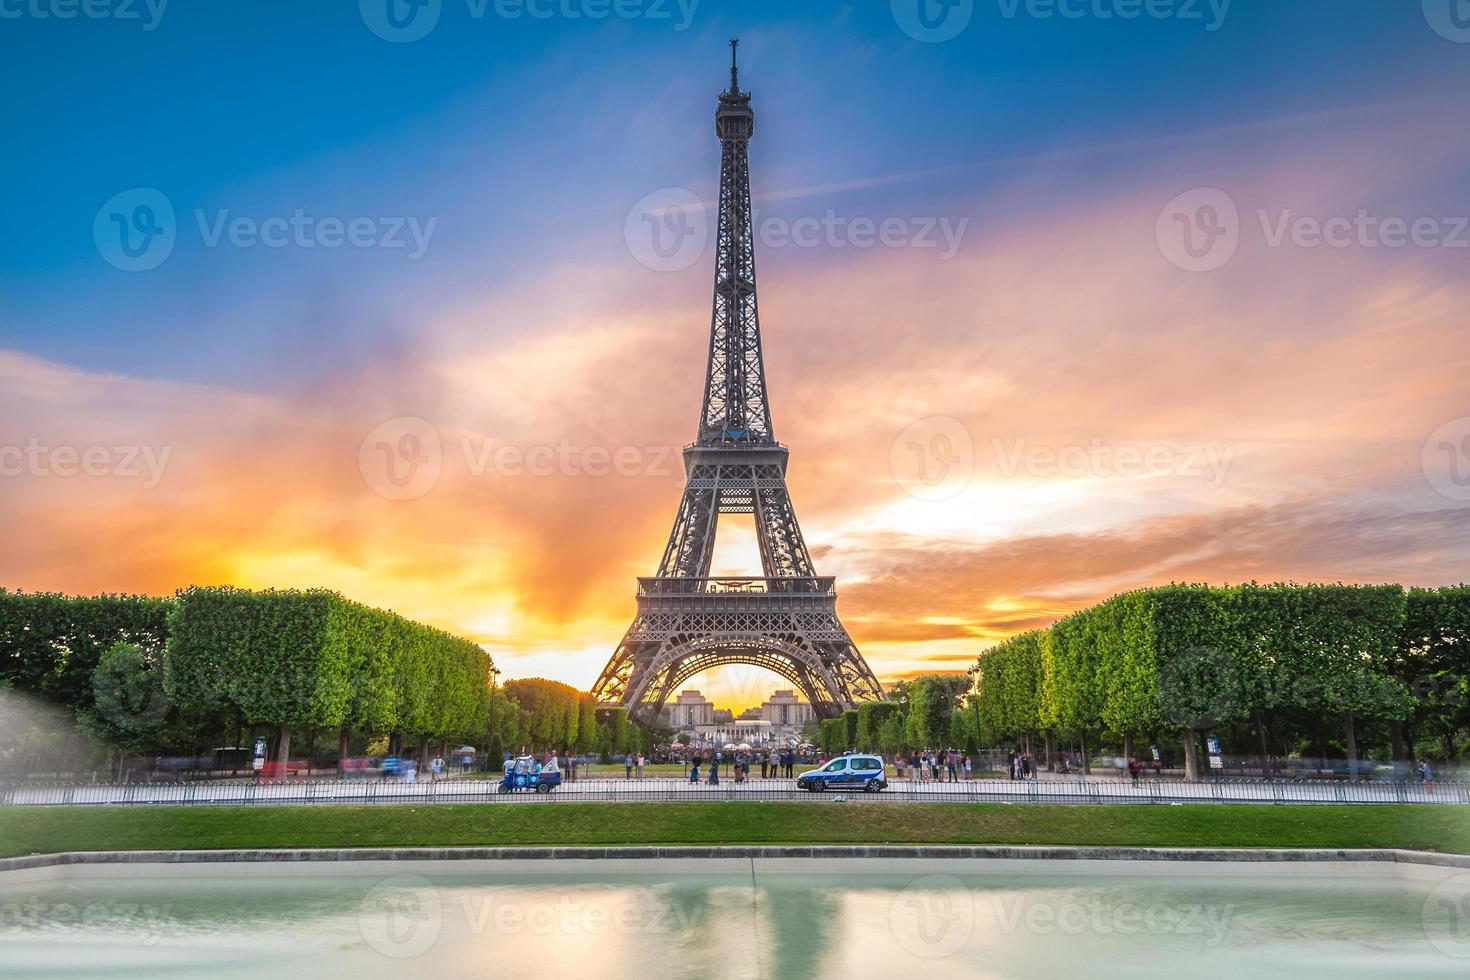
(784, 620)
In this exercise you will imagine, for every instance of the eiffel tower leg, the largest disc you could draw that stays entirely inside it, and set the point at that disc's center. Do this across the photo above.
(783, 552)
(692, 540)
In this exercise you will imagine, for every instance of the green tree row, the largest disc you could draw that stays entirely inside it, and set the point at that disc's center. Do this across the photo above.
(925, 713)
(1273, 659)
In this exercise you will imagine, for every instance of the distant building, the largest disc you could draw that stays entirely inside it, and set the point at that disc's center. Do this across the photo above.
(689, 711)
(786, 710)
(778, 721)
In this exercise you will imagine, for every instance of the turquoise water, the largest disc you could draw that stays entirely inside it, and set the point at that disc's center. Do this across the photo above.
(327, 924)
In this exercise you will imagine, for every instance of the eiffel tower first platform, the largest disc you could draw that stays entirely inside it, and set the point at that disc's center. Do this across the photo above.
(785, 620)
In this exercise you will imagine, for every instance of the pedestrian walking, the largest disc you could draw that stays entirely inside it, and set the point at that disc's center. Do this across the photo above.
(628, 766)
(1426, 774)
(714, 771)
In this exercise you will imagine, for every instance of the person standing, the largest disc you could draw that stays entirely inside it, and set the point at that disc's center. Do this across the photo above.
(949, 761)
(714, 770)
(640, 765)
(1426, 774)
(968, 768)
(694, 769)
(628, 766)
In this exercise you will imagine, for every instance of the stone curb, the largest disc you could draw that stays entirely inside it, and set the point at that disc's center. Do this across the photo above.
(839, 852)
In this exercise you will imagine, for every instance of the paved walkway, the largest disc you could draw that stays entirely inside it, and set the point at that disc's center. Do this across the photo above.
(1054, 790)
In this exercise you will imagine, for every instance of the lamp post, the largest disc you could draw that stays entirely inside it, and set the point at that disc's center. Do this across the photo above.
(494, 673)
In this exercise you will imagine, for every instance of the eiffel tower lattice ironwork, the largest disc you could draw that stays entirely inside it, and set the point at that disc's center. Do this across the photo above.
(786, 619)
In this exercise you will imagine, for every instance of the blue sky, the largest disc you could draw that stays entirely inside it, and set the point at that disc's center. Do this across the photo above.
(529, 138)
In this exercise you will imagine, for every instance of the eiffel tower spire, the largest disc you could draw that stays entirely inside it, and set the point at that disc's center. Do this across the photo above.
(786, 619)
(735, 411)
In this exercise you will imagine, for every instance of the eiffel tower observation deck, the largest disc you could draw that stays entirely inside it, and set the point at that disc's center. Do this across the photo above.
(784, 620)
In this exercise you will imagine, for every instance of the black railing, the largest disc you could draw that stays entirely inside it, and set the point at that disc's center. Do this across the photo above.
(740, 585)
(676, 789)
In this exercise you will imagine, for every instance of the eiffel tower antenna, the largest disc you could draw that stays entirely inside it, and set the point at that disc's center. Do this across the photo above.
(785, 619)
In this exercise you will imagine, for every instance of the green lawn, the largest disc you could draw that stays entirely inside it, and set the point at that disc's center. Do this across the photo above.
(25, 830)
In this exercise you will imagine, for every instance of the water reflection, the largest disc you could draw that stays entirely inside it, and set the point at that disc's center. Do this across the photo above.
(733, 925)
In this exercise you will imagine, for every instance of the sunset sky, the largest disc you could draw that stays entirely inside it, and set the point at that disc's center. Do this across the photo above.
(1051, 379)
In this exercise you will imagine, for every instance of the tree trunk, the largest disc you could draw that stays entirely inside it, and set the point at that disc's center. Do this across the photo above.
(1396, 740)
(1191, 755)
(283, 749)
(1265, 752)
(1128, 746)
(1351, 734)
(1086, 758)
(1051, 751)
(341, 749)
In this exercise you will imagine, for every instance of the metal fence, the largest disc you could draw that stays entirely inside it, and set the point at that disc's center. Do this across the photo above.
(657, 789)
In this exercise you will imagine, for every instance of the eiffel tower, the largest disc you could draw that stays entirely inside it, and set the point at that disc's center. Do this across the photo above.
(786, 619)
